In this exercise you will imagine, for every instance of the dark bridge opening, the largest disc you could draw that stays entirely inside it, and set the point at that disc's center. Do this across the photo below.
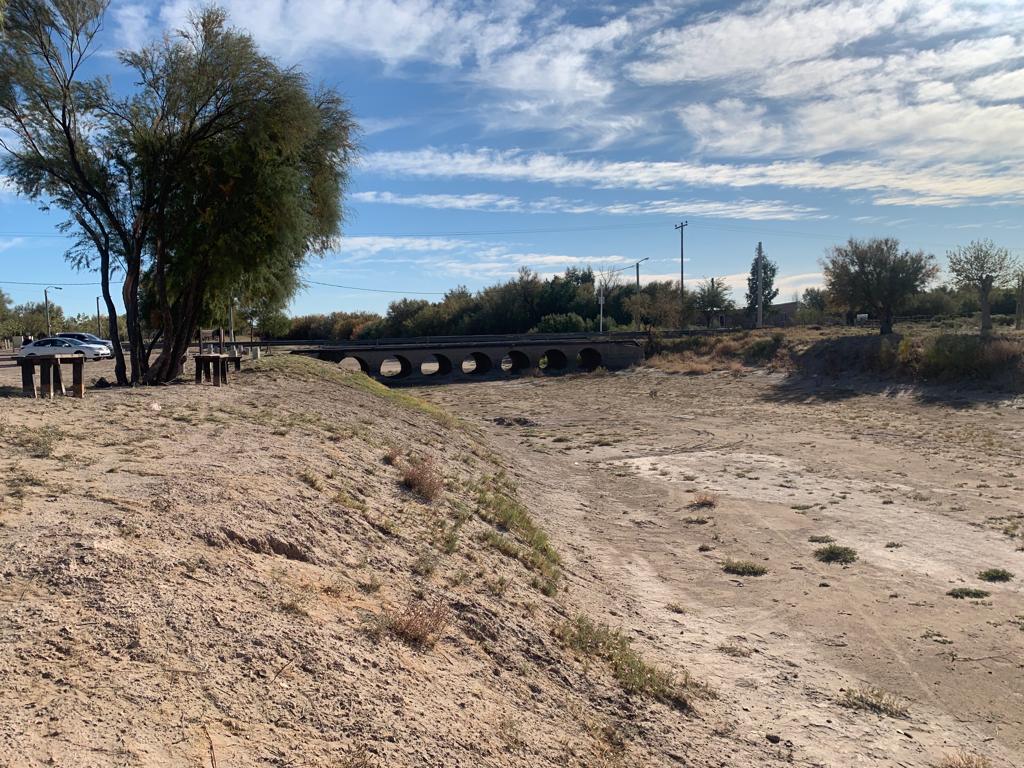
(476, 364)
(554, 360)
(439, 366)
(588, 359)
(515, 362)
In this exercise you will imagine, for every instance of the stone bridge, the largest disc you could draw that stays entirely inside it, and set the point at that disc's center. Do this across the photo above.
(468, 358)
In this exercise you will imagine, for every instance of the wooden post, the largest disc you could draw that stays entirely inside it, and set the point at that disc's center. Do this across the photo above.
(216, 371)
(78, 378)
(46, 378)
(223, 363)
(28, 378)
(206, 369)
(199, 369)
(58, 379)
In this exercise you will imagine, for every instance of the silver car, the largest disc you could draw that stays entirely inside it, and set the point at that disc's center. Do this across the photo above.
(58, 346)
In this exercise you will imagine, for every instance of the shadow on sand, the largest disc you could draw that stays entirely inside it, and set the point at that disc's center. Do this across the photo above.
(832, 370)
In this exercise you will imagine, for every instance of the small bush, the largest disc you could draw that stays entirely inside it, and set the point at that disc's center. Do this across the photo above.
(743, 568)
(995, 575)
(893, 545)
(967, 593)
(420, 625)
(874, 700)
(422, 477)
(834, 553)
(820, 539)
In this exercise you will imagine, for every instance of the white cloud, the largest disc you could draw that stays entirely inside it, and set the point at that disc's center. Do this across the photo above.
(965, 181)
(361, 248)
(13, 242)
(1000, 86)
(756, 210)
(774, 35)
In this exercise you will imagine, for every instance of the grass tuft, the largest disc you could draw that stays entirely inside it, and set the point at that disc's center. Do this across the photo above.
(743, 568)
(969, 593)
(634, 674)
(820, 539)
(964, 759)
(874, 700)
(996, 575)
(834, 553)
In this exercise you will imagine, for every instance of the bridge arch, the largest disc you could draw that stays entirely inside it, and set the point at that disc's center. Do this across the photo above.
(440, 365)
(588, 359)
(354, 364)
(476, 364)
(389, 364)
(515, 362)
(553, 361)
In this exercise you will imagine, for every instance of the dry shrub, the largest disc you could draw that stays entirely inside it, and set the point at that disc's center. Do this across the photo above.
(964, 759)
(958, 357)
(392, 456)
(704, 500)
(422, 477)
(418, 624)
(874, 700)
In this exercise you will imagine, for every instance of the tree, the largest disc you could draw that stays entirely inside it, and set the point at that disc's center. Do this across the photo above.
(816, 299)
(218, 166)
(1019, 325)
(30, 318)
(6, 316)
(982, 266)
(876, 275)
(768, 290)
(713, 298)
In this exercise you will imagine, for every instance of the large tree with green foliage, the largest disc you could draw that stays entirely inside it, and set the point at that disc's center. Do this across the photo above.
(876, 275)
(982, 266)
(713, 298)
(219, 173)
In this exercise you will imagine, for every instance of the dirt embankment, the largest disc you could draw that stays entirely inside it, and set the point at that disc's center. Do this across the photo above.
(306, 569)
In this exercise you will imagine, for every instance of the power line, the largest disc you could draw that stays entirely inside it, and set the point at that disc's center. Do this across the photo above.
(376, 290)
(62, 285)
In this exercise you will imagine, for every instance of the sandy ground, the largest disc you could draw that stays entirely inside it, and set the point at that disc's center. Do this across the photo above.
(190, 574)
(617, 460)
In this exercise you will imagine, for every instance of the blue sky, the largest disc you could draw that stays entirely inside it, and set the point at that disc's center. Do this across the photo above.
(508, 133)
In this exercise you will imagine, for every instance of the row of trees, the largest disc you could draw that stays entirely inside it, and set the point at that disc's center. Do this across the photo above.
(875, 277)
(878, 277)
(29, 318)
(209, 183)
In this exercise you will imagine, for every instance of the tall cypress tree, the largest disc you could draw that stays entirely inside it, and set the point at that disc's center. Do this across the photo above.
(768, 289)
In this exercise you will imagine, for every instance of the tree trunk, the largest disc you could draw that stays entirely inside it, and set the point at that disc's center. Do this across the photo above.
(130, 294)
(120, 371)
(886, 322)
(180, 326)
(984, 295)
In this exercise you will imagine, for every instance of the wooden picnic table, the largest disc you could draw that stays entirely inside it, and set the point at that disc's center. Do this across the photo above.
(50, 378)
(212, 367)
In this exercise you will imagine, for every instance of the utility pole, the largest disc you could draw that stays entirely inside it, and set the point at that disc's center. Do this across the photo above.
(46, 303)
(1020, 301)
(600, 305)
(682, 274)
(760, 285)
(99, 328)
(231, 319)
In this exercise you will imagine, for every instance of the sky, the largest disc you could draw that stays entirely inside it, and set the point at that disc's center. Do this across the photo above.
(511, 133)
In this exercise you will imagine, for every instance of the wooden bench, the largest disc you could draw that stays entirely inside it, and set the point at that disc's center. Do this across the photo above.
(212, 367)
(50, 378)
(236, 360)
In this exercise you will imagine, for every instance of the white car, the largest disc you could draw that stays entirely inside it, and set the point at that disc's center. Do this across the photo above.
(55, 346)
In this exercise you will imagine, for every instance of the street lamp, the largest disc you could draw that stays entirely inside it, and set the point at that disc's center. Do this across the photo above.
(46, 302)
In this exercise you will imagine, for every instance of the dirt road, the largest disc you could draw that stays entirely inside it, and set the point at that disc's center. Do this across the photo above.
(928, 491)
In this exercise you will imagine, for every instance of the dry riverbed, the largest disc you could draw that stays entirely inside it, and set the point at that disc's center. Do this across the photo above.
(653, 481)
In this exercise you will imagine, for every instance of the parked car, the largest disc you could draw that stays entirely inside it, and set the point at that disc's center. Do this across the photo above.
(86, 338)
(58, 346)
